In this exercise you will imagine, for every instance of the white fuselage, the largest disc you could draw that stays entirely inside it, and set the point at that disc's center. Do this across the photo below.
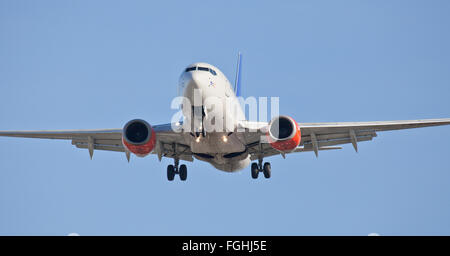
(218, 112)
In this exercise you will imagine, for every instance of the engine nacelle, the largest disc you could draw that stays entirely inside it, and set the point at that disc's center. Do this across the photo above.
(138, 137)
(284, 134)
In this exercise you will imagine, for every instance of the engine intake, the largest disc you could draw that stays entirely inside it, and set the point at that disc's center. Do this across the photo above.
(138, 137)
(284, 134)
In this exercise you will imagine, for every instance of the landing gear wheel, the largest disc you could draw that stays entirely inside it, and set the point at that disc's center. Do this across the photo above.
(183, 172)
(170, 172)
(267, 170)
(255, 170)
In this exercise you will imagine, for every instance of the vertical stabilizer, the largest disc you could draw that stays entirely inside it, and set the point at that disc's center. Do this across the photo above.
(237, 81)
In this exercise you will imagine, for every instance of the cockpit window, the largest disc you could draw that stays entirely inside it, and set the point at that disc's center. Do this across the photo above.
(201, 69)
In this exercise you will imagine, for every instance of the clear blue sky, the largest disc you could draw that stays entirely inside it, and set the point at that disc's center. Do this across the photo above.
(98, 64)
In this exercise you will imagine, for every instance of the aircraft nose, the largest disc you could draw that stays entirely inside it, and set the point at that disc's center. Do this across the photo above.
(195, 80)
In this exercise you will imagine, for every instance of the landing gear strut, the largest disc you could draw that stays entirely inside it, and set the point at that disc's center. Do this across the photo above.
(174, 169)
(256, 168)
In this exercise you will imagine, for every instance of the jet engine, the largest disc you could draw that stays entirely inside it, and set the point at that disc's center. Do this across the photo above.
(284, 134)
(138, 137)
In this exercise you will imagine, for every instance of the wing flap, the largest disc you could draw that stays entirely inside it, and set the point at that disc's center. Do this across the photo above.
(338, 136)
(98, 141)
(340, 141)
(272, 152)
(102, 147)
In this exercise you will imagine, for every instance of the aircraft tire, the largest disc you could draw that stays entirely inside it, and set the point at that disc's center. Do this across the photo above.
(267, 170)
(183, 172)
(255, 170)
(170, 172)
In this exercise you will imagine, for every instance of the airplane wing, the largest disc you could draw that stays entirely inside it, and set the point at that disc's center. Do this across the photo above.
(325, 136)
(315, 137)
(111, 140)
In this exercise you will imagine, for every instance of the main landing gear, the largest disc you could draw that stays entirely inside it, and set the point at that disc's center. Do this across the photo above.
(174, 169)
(256, 168)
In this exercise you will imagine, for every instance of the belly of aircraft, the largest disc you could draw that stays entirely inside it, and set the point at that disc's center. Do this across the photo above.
(225, 154)
(216, 143)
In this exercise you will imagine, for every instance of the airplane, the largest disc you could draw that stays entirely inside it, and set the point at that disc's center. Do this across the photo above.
(230, 150)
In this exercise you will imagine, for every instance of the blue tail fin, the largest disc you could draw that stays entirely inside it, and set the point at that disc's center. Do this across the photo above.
(237, 81)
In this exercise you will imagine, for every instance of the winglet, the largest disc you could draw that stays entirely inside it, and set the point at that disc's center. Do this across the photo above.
(237, 81)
